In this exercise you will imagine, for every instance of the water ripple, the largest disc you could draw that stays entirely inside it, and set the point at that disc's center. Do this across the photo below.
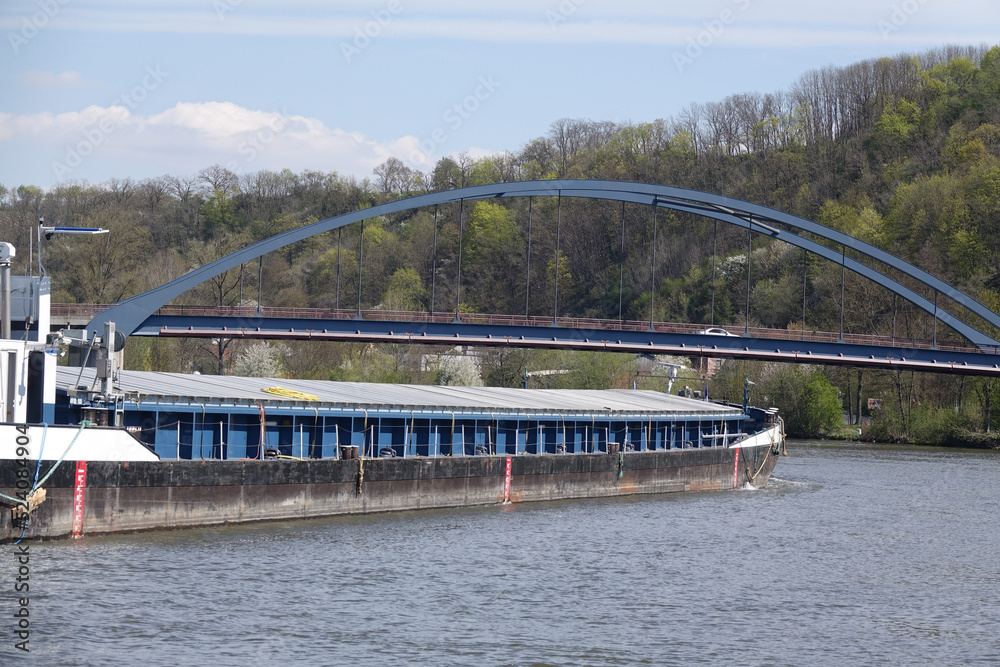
(854, 555)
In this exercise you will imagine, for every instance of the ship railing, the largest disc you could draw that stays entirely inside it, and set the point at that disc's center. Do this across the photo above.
(194, 439)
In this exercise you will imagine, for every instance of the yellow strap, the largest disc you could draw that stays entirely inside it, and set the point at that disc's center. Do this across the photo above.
(290, 393)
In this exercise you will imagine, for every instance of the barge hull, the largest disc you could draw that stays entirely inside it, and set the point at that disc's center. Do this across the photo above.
(120, 497)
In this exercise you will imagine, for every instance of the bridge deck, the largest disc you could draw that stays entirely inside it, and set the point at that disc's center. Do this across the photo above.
(477, 329)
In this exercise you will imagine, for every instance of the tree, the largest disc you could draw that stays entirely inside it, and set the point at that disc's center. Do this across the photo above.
(405, 292)
(378, 363)
(104, 268)
(493, 257)
(446, 175)
(226, 288)
(217, 178)
(821, 411)
(263, 360)
(218, 214)
(459, 371)
(505, 366)
(392, 176)
(805, 397)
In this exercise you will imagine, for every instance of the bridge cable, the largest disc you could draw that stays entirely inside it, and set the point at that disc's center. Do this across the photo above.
(652, 270)
(621, 266)
(458, 276)
(340, 231)
(746, 322)
(434, 256)
(894, 295)
(361, 263)
(555, 302)
(805, 270)
(527, 263)
(934, 341)
(715, 242)
(843, 273)
(260, 284)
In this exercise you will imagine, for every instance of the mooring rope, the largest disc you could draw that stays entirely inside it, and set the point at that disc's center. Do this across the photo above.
(361, 474)
(34, 487)
(84, 424)
(34, 482)
(752, 476)
(16, 501)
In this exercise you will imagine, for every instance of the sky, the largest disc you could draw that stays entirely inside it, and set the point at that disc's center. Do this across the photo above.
(103, 89)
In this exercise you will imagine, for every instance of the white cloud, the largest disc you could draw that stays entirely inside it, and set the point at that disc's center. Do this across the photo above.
(189, 136)
(34, 78)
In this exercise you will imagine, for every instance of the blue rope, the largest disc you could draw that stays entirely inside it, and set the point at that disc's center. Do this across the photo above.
(38, 468)
(34, 482)
(83, 424)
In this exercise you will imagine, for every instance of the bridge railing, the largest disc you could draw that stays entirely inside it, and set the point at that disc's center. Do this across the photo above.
(253, 316)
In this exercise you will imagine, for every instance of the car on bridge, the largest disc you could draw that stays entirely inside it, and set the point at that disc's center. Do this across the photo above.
(715, 331)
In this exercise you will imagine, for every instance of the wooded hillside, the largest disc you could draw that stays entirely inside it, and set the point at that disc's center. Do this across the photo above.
(902, 152)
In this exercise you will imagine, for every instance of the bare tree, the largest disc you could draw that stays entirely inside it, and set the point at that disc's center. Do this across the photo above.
(154, 192)
(217, 178)
(393, 176)
(121, 190)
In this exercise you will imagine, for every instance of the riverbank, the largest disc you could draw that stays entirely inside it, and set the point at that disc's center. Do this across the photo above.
(958, 439)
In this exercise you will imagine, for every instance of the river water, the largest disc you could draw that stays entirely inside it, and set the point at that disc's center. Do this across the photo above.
(853, 554)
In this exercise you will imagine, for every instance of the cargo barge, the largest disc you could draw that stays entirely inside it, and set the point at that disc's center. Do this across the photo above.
(319, 456)
(94, 450)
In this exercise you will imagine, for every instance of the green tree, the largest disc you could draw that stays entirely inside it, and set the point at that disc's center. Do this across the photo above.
(493, 254)
(805, 398)
(405, 292)
(986, 86)
(505, 366)
(218, 214)
(821, 410)
(104, 268)
(336, 269)
(891, 136)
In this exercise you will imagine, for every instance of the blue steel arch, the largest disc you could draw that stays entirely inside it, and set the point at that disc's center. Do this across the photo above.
(130, 313)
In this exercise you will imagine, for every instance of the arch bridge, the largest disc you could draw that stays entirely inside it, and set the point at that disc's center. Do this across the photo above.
(145, 314)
